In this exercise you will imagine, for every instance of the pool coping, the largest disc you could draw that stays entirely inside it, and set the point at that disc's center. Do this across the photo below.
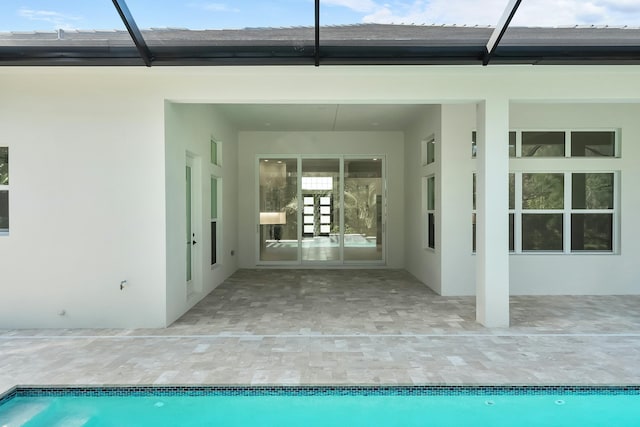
(313, 390)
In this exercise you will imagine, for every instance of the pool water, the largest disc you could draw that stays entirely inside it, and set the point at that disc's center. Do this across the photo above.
(323, 409)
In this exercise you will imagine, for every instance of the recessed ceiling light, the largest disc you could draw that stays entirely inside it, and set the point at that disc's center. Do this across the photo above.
(279, 161)
(266, 160)
(375, 160)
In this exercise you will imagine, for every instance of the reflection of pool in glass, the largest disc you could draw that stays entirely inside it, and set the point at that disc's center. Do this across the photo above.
(323, 406)
(332, 241)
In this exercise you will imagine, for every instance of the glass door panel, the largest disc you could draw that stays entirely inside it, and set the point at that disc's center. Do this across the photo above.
(320, 209)
(189, 236)
(363, 209)
(278, 210)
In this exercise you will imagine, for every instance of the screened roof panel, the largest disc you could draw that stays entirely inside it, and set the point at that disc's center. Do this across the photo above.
(571, 13)
(573, 31)
(402, 12)
(48, 17)
(237, 32)
(66, 32)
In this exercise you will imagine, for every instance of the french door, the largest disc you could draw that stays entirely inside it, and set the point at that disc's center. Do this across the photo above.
(321, 210)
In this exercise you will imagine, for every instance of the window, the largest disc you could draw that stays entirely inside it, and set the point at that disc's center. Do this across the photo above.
(215, 152)
(428, 150)
(562, 143)
(4, 190)
(214, 220)
(568, 211)
(543, 144)
(592, 211)
(511, 214)
(593, 144)
(429, 184)
(216, 187)
(512, 144)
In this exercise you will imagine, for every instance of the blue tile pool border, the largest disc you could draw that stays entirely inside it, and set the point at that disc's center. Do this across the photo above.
(315, 390)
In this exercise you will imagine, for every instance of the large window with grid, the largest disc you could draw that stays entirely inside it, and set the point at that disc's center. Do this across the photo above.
(567, 210)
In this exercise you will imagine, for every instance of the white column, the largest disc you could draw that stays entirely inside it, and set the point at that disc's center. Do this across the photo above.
(492, 220)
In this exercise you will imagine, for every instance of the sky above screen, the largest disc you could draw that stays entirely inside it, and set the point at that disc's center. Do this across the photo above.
(48, 15)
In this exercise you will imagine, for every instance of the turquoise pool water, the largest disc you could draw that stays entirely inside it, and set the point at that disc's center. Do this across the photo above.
(322, 406)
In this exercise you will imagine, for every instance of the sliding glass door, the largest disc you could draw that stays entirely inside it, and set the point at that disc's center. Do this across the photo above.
(363, 209)
(321, 210)
(278, 206)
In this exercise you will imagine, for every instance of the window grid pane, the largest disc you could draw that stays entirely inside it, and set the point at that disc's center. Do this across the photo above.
(542, 232)
(542, 191)
(543, 144)
(592, 232)
(214, 198)
(4, 211)
(214, 152)
(431, 198)
(4, 165)
(592, 191)
(593, 144)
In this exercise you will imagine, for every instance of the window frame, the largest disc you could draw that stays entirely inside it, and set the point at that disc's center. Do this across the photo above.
(567, 166)
(215, 173)
(429, 213)
(6, 188)
(567, 211)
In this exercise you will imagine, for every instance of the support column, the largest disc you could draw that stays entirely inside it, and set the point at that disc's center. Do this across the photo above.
(492, 221)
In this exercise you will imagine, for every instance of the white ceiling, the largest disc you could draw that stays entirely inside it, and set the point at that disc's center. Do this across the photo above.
(320, 117)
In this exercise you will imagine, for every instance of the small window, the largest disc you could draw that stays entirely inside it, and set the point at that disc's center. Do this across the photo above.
(543, 144)
(542, 232)
(593, 144)
(4, 190)
(428, 151)
(215, 152)
(214, 220)
(592, 232)
(429, 210)
(512, 144)
(512, 191)
(474, 144)
(4, 165)
(592, 203)
(592, 191)
(542, 191)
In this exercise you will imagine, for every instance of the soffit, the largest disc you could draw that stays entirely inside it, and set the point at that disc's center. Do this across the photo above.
(320, 117)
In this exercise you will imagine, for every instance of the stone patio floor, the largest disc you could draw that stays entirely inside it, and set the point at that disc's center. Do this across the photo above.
(341, 327)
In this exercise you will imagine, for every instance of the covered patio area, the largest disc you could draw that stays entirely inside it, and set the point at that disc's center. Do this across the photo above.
(341, 327)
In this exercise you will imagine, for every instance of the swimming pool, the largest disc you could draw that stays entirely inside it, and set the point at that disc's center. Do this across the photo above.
(351, 406)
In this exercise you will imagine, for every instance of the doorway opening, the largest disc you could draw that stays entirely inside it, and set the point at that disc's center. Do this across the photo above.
(321, 210)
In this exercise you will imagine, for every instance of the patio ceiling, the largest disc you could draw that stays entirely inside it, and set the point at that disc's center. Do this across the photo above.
(308, 40)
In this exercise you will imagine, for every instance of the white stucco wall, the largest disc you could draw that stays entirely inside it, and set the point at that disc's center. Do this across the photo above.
(584, 273)
(388, 144)
(542, 274)
(88, 199)
(190, 128)
(458, 121)
(423, 263)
